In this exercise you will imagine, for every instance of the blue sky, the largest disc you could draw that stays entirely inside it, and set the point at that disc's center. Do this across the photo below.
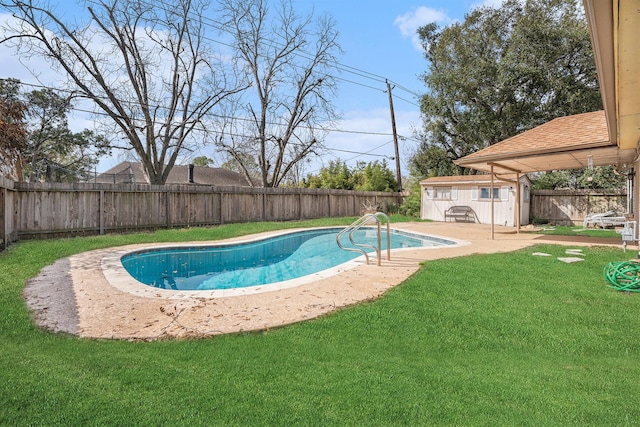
(378, 37)
(378, 40)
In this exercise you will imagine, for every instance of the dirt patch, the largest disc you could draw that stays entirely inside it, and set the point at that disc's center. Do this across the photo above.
(52, 299)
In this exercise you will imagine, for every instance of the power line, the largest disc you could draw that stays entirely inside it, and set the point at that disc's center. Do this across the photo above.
(368, 153)
(219, 116)
(364, 74)
(203, 129)
(221, 27)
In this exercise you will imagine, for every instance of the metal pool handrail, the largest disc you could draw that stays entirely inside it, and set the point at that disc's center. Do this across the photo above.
(359, 223)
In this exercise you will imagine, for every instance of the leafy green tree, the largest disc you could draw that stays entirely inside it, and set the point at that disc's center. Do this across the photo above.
(375, 176)
(430, 160)
(35, 136)
(76, 157)
(551, 180)
(48, 127)
(50, 142)
(311, 181)
(503, 71)
(201, 161)
(411, 203)
(335, 176)
(601, 177)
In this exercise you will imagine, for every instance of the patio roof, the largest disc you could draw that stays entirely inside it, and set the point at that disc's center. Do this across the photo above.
(469, 179)
(571, 142)
(613, 25)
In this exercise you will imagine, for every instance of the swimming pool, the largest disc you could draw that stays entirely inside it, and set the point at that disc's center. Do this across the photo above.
(275, 259)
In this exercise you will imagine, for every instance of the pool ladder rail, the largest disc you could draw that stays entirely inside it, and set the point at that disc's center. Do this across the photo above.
(360, 247)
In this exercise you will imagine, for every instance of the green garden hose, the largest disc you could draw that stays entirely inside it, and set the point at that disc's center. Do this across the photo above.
(623, 275)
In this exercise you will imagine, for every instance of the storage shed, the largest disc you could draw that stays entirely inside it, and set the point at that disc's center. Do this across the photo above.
(469, 198)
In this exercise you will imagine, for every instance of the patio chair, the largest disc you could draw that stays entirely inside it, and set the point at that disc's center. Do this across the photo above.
(612, 221)
(592, 218)
(603, 220)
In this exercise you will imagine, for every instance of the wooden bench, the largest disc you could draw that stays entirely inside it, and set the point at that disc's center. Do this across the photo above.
(460, 213)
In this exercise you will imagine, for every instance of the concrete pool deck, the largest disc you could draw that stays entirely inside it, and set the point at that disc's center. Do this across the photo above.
(75, 296)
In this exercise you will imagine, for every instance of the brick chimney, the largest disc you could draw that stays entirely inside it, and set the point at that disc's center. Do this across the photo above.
(191, 166)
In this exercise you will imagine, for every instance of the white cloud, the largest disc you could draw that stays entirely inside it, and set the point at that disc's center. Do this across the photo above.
(409, 23)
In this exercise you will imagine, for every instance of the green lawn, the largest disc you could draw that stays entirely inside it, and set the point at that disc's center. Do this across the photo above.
(578, 231)
(503, 339)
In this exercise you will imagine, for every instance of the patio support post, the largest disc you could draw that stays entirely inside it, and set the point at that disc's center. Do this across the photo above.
(635, 194)
(518, 211)
(492, 206)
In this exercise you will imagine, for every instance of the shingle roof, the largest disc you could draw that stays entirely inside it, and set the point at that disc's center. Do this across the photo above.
(206, 176)
(570, 142)
(130, 172)
(563, 133)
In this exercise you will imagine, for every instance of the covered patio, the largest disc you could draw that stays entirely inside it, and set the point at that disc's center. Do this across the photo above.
(572, 142)
(599, 138)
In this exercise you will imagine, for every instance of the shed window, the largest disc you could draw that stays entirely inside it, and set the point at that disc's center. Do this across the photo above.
(442, 193)
(499, 193)
(485, 193)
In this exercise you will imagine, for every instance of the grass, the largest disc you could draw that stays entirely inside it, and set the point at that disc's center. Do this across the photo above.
(562, 230)
(502, 339)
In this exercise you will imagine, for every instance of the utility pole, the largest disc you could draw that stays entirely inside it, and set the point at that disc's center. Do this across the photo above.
(395, 136)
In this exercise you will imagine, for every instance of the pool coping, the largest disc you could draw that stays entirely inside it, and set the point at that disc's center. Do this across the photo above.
(117, 276)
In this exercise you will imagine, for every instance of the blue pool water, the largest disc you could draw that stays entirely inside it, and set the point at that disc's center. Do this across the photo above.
(261, 262)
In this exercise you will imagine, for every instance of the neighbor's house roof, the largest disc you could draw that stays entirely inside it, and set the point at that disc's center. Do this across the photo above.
(130, 172)
(570, 142)
(469, 179)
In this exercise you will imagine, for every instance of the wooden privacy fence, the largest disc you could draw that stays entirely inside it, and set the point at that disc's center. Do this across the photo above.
(8, 232)
(62, 209)
(569, 207)
(48, 210)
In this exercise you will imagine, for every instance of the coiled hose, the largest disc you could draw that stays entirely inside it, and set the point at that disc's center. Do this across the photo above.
(623, 275)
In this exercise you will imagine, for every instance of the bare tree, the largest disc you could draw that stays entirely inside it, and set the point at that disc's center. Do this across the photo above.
(290, 61)
(144, 64)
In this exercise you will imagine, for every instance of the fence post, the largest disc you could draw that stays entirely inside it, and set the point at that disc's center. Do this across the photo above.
(167, 206)
(101, 211)
(221, 208)
(3, 218)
